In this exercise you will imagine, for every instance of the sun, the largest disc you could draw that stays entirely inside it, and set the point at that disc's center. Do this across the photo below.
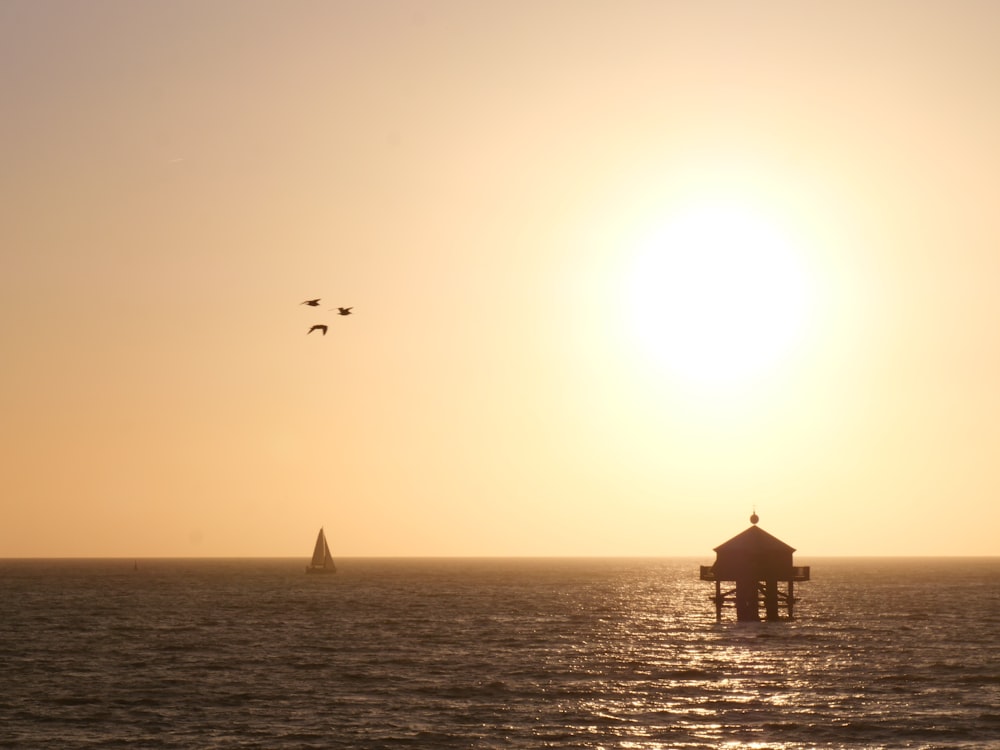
(717, 294)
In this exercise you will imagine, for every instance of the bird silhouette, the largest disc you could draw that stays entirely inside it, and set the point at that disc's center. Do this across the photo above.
(317, 327)
(311, 302)
(344, 310)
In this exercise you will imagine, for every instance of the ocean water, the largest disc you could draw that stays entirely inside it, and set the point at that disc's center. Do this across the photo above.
(493, 653)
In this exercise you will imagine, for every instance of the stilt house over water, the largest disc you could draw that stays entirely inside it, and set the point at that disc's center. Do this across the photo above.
(756, 563)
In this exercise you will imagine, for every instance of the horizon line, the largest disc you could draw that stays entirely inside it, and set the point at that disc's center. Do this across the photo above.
(489, 557)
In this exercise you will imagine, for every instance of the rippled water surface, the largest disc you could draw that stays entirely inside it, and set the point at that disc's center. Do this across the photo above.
(885, 653)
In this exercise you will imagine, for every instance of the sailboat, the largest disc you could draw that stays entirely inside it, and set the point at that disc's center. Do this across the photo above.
(322, 560)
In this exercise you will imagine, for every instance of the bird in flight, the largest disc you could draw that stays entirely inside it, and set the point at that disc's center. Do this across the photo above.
(317, 327)
(344, 310)
(311, 302)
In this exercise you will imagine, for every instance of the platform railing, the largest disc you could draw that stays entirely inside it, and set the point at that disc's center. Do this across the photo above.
(799, 573)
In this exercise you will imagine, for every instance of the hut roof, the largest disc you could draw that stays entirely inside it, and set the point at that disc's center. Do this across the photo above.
(754, 539)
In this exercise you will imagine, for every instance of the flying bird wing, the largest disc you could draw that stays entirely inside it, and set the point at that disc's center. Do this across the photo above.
(317, 327)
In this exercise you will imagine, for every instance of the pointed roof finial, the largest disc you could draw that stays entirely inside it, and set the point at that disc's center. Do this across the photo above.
(754, 518)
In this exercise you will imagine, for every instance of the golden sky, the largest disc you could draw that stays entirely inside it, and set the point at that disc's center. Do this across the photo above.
(620, 273)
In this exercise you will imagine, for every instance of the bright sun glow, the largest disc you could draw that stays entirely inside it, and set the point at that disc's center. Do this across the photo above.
(718, 295)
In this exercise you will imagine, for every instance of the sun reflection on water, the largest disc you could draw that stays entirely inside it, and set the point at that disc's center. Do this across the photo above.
(668, 670)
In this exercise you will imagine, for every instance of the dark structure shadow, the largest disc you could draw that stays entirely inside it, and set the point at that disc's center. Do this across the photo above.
(756, 563)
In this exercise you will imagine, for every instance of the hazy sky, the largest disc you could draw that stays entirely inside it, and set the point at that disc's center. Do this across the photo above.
(620, 271)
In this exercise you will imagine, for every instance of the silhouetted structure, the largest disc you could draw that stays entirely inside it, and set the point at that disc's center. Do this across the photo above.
(756, 563)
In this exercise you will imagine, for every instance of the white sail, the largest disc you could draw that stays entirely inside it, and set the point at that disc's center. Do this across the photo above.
(319, 549)
(327, 557)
